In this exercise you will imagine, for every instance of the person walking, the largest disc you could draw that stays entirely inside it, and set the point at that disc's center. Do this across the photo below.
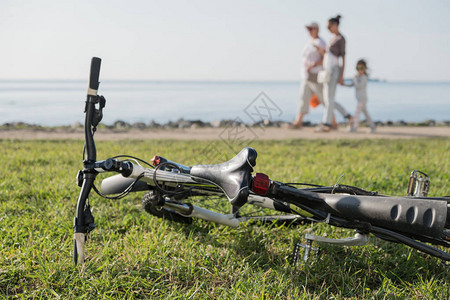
(312, 60)
(360, 83)
(332, 74)
(311, 65)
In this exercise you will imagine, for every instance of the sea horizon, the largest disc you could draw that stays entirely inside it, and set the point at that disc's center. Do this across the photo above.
(79, 80)
(60, 102)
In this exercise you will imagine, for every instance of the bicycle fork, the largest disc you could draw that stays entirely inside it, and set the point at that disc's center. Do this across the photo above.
(84, 221)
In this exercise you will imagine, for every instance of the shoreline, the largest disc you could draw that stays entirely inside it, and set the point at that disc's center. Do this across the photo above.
(182, 124)
(227, 133)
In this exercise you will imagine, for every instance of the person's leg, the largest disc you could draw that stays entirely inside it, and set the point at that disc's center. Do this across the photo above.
(305, 94)
(327, 103)
(341, 110)
(334, 123)
(317, 89)
(368, 118)
(359, 108)
(329, 90)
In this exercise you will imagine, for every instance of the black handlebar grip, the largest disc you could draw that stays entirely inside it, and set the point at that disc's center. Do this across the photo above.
(94, 76)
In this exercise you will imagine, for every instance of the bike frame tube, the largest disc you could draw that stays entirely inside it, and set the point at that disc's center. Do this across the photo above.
(265, 202)
(88, 183)
(189, 210)
(426, 217)
(208, 215)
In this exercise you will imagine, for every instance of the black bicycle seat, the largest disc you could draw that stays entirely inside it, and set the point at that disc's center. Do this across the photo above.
(232, 176)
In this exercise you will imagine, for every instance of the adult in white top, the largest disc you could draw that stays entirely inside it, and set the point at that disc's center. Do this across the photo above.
(311, 65)
(311, 57)
(335, 74)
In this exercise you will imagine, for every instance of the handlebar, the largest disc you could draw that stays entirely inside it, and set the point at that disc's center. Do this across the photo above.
(93, 116)
(84, 221)
(94, 76)
(112, 165)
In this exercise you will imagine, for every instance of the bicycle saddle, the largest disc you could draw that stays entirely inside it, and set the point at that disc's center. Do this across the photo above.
(232, 177)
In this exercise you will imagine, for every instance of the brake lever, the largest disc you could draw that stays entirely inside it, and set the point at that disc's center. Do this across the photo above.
(98, 116)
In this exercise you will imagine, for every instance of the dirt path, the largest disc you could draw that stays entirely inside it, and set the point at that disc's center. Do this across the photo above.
(243, 133)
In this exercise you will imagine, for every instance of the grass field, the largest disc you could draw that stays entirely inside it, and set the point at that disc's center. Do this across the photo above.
(134, 255)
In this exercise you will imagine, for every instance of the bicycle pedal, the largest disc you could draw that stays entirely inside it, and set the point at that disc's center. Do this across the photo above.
(308, 248)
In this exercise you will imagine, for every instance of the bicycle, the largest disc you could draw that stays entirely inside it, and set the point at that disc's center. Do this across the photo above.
(415, 220)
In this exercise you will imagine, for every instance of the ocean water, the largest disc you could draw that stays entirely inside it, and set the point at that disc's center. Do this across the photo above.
(61, 102)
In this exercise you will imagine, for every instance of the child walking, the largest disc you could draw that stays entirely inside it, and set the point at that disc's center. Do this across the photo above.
(360, 84)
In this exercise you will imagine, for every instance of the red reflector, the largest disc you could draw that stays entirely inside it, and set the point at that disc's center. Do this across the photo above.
(260, 184)
(156, 160)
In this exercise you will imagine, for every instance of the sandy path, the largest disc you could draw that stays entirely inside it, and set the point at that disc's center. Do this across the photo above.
(231, 133)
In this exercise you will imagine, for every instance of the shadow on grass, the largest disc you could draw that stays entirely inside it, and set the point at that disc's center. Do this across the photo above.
(338, 269)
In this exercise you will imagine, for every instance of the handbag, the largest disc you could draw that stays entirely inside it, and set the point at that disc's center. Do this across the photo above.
(312, 77)
(314, 101)
(323, 76)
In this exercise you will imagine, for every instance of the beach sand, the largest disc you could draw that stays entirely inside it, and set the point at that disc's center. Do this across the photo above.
(227, 133)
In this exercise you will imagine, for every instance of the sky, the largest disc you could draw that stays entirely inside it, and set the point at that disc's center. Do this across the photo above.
(218, 40)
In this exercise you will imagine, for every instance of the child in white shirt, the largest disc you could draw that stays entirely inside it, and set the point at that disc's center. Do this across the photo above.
(360, 84)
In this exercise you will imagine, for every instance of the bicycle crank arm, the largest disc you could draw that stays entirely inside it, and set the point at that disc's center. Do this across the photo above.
(357, 240)
(189, 210)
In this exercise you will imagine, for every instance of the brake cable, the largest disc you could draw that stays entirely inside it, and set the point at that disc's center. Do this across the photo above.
(135, 158)
(178, 190)
(122, 194)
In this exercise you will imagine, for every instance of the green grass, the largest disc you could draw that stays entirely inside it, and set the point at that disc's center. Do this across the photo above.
(134, 255)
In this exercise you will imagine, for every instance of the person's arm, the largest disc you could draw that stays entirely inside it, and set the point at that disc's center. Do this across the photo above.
(315, 64)
(352, 84)
(321, 50)
(320, 62)
(360, 82)
(341, 79)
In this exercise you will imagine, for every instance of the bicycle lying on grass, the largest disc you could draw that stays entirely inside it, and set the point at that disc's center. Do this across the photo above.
(173, 189)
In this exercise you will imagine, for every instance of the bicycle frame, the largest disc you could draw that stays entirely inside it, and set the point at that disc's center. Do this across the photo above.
(399, 219)
(117, 183)
(412, 218)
